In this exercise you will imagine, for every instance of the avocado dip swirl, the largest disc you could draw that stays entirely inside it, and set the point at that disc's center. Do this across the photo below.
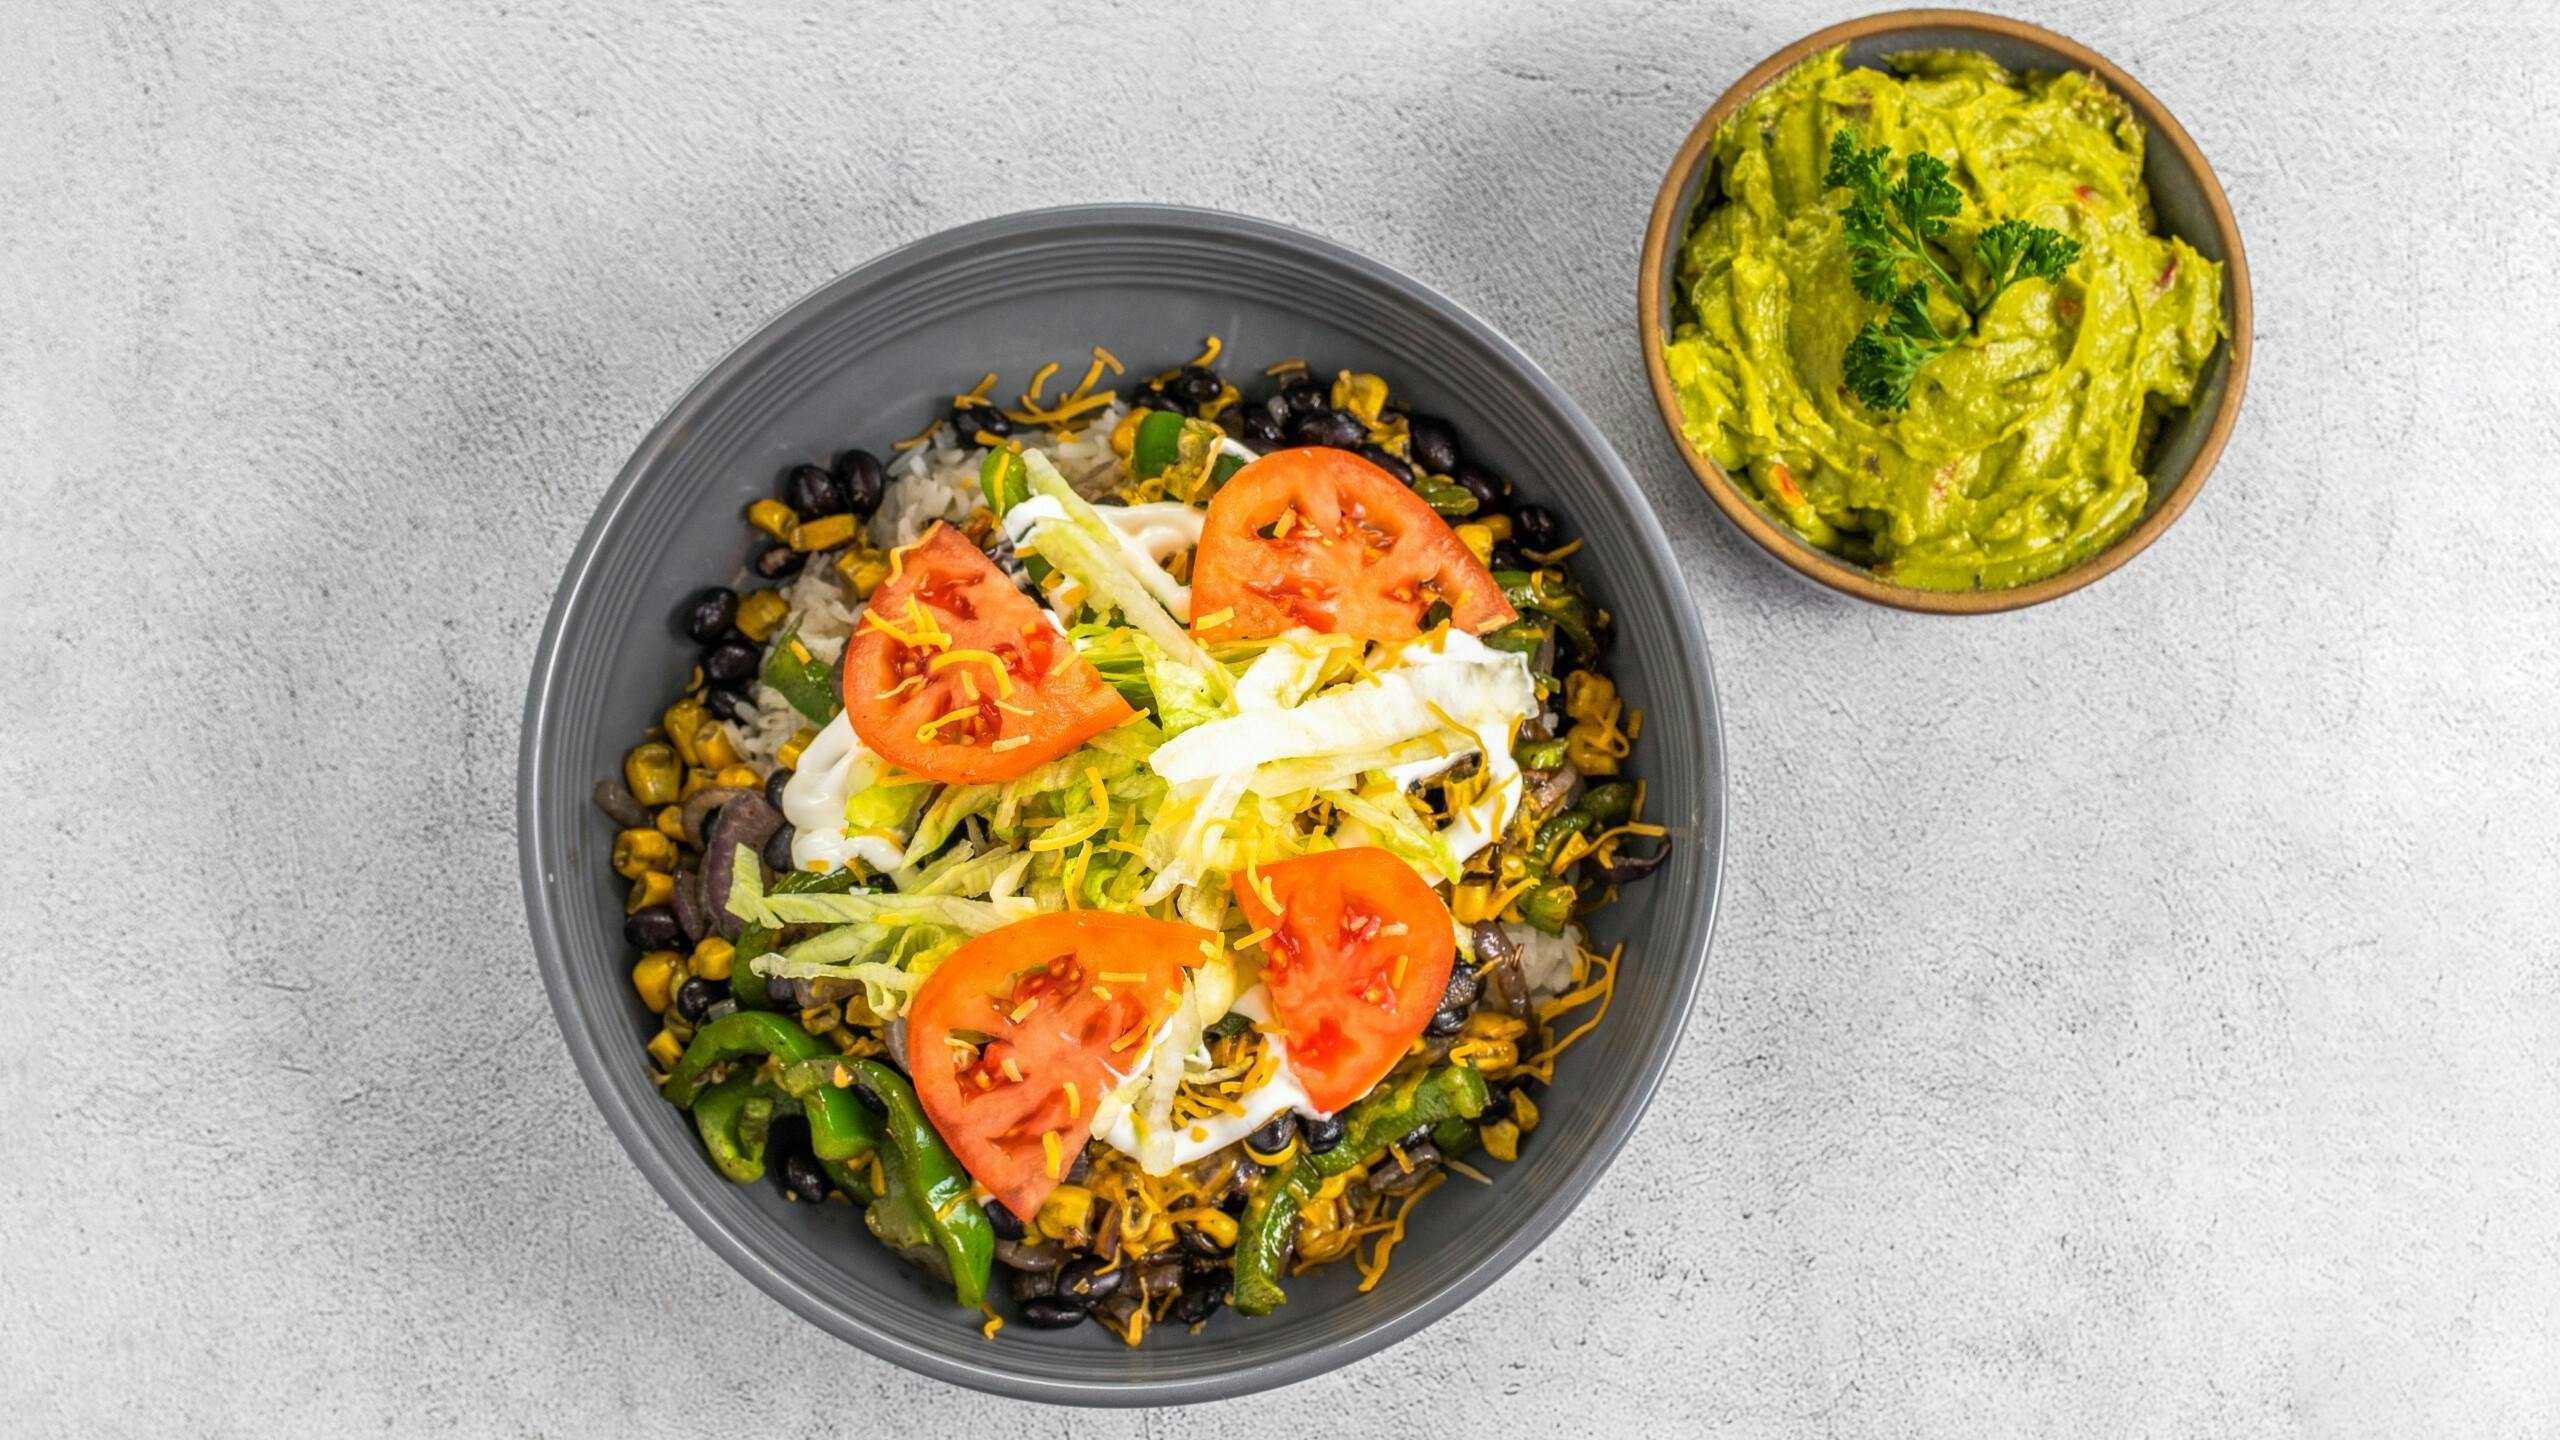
(2021, 453)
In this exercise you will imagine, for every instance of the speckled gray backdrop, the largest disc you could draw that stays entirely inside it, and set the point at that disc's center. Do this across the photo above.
(2137, 1016)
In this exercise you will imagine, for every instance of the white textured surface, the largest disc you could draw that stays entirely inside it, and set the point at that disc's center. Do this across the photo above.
(2137, 1016)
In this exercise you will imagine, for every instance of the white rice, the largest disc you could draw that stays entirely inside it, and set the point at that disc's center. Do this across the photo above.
(932, 482)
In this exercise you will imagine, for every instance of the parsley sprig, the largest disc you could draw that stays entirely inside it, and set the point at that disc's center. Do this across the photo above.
(1891, 225)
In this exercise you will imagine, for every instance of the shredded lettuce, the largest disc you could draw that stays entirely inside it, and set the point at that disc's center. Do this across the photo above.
(1184, 697)
(1394, 827)
(1366, 721)
(1088, 548)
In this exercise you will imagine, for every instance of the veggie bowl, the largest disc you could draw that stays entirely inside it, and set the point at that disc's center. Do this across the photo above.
(1111, 883)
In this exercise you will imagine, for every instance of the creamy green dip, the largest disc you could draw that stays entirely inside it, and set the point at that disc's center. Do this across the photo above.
(2022, 452)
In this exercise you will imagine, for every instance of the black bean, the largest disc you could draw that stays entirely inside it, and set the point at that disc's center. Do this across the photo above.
(813, 490)
(1338, 428)
(615, 799)
(975, 420)
(1446, 1022)
(1049, 1314)
(1304, 396)
(1415, 1136)
(1320, 1135)
(731, 662)
(1201, 1299)
(1196, 1243)
(1537, 528)
(1505, 556)
(725, 703)
(1461, 990)
(778, 991)
(802, 1178)
(1433, 445)
(1262, 433)
(777, 849)
(1194, 387)
(697, 995)
(1388, 461)
(655, 928)
(1497, 1105)
(1084, 1281)
(708, 614)
(777, 561)
(863, 478)
(773, 786)
(1492, 492)
(1275, 1133)
(1034, 1284)
(1274, 408)
(1000, 1219)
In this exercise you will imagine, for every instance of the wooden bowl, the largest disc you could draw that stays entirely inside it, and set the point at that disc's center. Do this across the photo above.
(2187, 202)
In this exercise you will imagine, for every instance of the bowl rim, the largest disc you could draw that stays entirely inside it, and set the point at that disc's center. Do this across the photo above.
(536, 773)
(1660, 237)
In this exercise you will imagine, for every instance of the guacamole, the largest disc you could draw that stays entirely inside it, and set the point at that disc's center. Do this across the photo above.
(2021, 452)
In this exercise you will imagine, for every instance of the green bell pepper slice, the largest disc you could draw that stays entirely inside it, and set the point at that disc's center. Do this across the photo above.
(1270, 1224)
(932, 1181)
(839, 1128)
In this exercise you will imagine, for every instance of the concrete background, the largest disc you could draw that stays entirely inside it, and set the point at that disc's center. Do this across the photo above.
(2137, 1016)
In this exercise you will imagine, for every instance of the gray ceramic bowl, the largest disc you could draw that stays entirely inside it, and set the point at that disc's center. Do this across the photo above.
(871, 357)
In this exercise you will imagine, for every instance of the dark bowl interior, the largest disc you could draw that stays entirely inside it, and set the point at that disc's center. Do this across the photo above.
(2182, 195)
(870, 358)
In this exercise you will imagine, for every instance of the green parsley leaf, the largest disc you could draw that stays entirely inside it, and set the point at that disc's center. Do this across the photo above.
(2015, 250)
(1889, 353)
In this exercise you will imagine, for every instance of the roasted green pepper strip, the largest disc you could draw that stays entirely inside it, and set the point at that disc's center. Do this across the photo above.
(802, 678)
(745, 985)
(1156, 445)
(1521, 637)
(934, 1181)
(839, 1128)
(1263, 1238)
(1270, 1224)
(1450, 500)
(1551, 834)
(734, 1118)
(1386, 1114)
(1539, 754)
(1455, 1137)
(1611, 802)
(1003, 480)
(1549, 906)
(1559, 600)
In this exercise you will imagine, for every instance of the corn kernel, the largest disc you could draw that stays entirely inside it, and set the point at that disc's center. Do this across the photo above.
(696, 780)
(1067, 1212)
(1124, 436)
(773, 518)
(1589, 695)
(1360, 394)
(1467, 903)
(1218, 1225)
(1479, 541)
(795, 747)
(740, 777)
(827, 532)
(761, 612)
(637, 852)
(652, 773)
(652, 887)
(666, 1050)
(682, 722)
(1524, 1111)
(655, 978)
(1499, 526)
(1501, 1140)
(1588, 749)
(712, 747)
(712, 958)
(670, 822)
(864, 572)
(819, 1019)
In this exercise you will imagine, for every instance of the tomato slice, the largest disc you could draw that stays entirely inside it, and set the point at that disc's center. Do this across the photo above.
(1322, 538)
(1356, 963)
(1022, 1031)
(957, 676)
